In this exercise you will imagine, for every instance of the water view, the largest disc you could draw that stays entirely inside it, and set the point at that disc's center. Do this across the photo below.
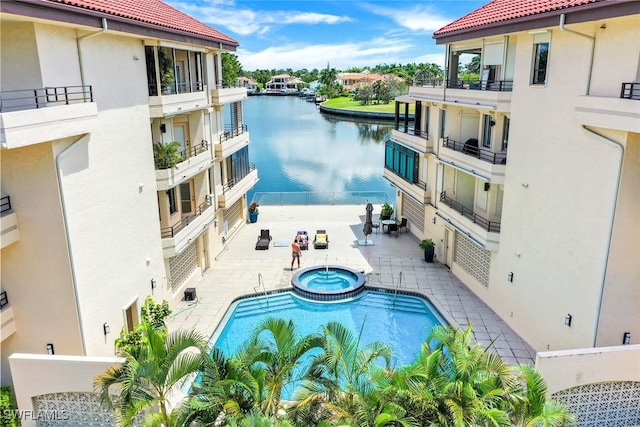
(297, 149)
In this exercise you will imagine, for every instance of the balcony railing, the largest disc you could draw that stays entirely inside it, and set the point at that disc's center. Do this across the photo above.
(168, 232)
(630, 91)
(232, 131)
(429, 82)
(411, 130)
(162, 163)
(470, 147)
(420, 184)
(230, 183)
(4, 301)
(5, 204)
(468, 213)
(29, 99)
(472, 84)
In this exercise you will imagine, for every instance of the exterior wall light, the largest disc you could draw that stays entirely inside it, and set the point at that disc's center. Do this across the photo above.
(153, 284)
(434, 220)
(510, 276)
(626, 338)
(50, 349)
(106, 328)
(567, 320)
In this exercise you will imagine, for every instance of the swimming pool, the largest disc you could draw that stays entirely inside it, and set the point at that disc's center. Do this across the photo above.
(403, 322)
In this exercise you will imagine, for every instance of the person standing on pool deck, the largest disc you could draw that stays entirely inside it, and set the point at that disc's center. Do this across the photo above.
(296, 252)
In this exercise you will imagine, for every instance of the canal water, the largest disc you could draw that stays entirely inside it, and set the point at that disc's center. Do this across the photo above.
(297, 149)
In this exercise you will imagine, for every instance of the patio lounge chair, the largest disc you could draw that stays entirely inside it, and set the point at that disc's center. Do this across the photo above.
(304, 241)
(321, 240)
(263, 240)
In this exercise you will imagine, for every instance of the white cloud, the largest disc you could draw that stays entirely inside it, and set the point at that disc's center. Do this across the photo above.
(246, 21)
(340, 56)
(417, 18)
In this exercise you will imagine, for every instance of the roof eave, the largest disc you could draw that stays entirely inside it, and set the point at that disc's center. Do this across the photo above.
(586, 13)
(73, 15)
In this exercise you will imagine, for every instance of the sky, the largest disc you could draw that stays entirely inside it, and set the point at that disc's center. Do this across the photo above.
(308, 34)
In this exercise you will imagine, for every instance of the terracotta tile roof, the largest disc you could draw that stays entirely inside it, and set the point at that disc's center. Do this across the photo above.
(153, 12)
(506, 10)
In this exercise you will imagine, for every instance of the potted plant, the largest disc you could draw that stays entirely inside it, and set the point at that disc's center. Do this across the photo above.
(386, 211)
(428, 247)
(167, 156)
(253, 211)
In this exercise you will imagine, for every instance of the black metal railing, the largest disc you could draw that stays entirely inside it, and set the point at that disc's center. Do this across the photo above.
(4, 301)
(472, 84)
(29, 99)
(230, 183)
(420, 184)
(184, 155)
(167, 232)
(5, 204)
(411, 130)
(468, 213)
(470, 148)
(428, 82)
(630, 91)
(231, 132)
(177, 88)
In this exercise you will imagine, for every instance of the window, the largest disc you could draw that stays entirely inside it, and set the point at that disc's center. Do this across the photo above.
(173, 207)
(443, 122)
(402, 161)
(505, 133)
(186, 198)
(540, 58)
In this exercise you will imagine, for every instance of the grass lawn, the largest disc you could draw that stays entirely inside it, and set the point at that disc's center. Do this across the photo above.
(345, 103)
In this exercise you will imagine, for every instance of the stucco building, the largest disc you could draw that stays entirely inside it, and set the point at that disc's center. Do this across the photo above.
(124, 162)
(528, 179)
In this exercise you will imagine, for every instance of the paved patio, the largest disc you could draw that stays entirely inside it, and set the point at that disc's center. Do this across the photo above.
(238, 266)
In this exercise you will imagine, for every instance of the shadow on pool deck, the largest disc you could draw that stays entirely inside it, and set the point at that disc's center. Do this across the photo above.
(236, 271)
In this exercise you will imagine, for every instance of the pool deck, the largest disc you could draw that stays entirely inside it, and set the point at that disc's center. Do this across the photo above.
(236, 270)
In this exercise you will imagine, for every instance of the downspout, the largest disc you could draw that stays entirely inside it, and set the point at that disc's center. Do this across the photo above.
(79, 39)
(593, 47)
(65, 221)
(612, 215)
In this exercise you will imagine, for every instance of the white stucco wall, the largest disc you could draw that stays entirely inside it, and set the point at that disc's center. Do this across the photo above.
(35, 375)
(110, 193)
(570, 368)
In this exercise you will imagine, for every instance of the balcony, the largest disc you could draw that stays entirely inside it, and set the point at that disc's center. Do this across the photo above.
(415, 139)
(193, 161)
(475, 160)
(231, 140)
(418, 191)
(477, 227)
(495, 95)
(7, 319)
(232, 191)
(620, 113)
(221, 96)
(170, 103)
(178, 236)
(33, 116)
(8, 223)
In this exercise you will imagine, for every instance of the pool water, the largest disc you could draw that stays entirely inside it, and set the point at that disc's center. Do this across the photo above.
(403, 322)
(327, 280)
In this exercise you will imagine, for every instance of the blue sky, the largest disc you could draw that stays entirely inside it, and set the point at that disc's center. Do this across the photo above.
(309, 34)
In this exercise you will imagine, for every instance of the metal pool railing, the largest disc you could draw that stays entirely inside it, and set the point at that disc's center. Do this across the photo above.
(321, 198)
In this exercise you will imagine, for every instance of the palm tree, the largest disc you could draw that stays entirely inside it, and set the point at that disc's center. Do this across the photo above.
(275, 348)
(149, 373)
(343, 382)
(327, 79)
(167, 155)
(225, 386)
(535, 410)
